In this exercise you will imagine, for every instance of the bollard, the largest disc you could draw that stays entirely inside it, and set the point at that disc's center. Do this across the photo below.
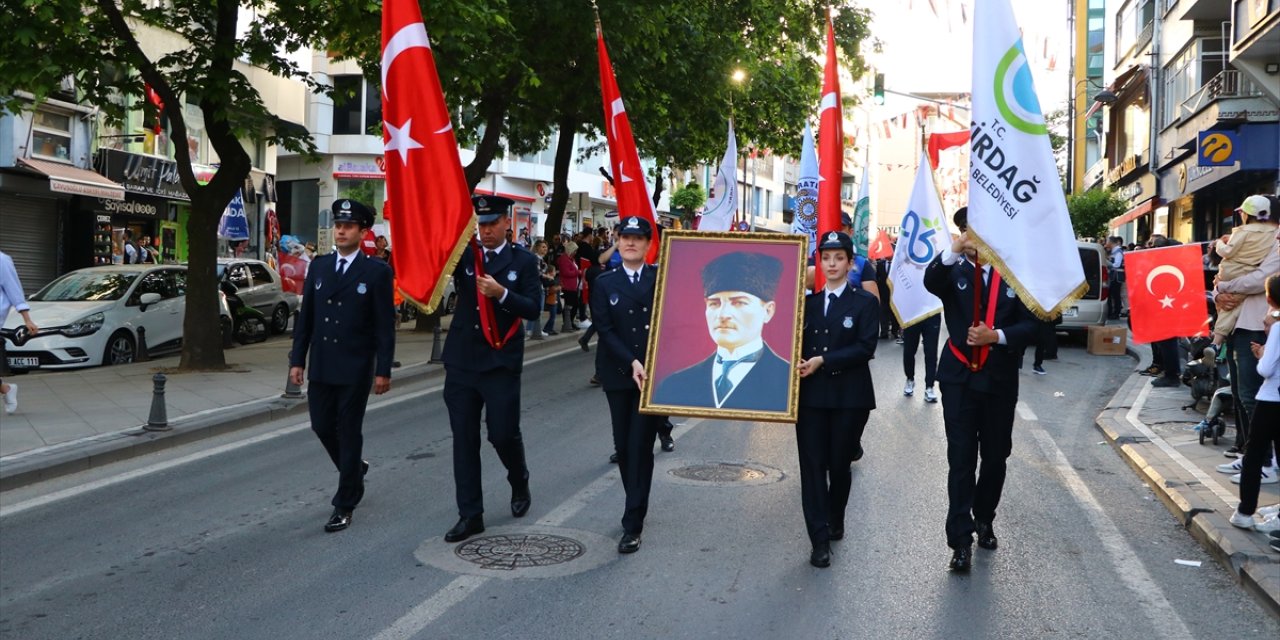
(436, 344)
(141, 355)
(158, 420)
(291, 390)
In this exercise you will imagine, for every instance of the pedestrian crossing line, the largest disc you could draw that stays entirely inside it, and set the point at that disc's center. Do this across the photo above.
(1228, 497)
(1024, 410)
(1164, 618)
(428, 611)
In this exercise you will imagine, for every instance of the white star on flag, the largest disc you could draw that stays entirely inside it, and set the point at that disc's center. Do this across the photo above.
(1166, 302)
(401, 140)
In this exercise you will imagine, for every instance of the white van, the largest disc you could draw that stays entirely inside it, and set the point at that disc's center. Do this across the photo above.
(1091, 310)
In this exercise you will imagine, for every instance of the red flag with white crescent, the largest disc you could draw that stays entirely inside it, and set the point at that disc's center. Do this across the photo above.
(830, 142)
(624, 158)
(881, 247)
(425, 183)
(1166, 293)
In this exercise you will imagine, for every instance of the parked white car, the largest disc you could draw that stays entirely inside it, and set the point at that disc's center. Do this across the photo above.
(1091, 309)
(259, 286)
(93, 316)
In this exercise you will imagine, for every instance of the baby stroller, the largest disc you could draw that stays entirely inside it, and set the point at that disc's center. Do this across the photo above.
(1209, 379)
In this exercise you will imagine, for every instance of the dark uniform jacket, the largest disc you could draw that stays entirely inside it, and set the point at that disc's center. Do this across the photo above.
(846, 339)
(347, 322)
(621, 312)
(763, 389)
(953, 285)
(465, 348)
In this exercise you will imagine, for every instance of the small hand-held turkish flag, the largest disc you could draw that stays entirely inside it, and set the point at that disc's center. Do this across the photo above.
(942, 141)
(624, 158)
(1166, 293)
(881, 247)
(830, 142)
(425, 183)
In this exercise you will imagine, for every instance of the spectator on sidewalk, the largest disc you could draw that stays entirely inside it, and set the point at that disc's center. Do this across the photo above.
(11, 297)
(1264, 440)
(533, 328)
(570, 284)
(1164, 353)
(1115, 277)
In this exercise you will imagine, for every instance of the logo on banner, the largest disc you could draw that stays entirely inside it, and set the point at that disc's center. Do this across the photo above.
(1217, 148)
(1016, 93)
(918, 234)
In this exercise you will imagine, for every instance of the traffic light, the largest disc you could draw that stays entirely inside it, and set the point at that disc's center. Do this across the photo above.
(878, 90)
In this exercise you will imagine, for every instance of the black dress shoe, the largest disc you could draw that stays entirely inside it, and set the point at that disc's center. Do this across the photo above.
(668, 443)
(961, 559)
(338, 521)
(820, 557)
(582, 342)
(465, 528)
(1166, 381)
(986, 536)
(613, 458)
(364, 468)
(835, 531)
(857, 453)
(520, 500)
(630, 543)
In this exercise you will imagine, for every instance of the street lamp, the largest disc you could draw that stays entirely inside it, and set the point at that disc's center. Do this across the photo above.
(738, 77)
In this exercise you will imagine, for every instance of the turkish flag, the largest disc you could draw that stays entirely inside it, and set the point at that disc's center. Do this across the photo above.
(624, 159)
(942, 141)
(425, 183)
(1166, 293)
(881, 247)
(830, 142)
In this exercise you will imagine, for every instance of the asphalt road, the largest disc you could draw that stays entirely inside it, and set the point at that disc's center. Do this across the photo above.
(223, 539)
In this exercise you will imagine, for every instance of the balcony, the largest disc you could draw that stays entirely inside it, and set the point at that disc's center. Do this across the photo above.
(1234, 94)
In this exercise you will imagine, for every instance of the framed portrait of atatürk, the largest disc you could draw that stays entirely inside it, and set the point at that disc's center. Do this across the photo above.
(727, 326)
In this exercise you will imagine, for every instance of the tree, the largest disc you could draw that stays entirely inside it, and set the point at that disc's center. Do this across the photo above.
(1092, 210)
(688, 199)
(96, 42)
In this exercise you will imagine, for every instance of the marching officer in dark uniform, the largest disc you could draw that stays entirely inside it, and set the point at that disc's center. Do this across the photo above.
(836, 393)
(347, 324)
(978, 376)
(498, 288)
(622, 305)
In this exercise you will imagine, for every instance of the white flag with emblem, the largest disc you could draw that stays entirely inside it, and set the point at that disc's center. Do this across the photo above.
(1017, 212)
(723, 201)
(806, 203)
(924, 234)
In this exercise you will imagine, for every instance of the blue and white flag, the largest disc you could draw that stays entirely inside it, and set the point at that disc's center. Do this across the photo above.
(806, 204)
(924, 234)
(234, 225)
(1017, 212)
(723, 201)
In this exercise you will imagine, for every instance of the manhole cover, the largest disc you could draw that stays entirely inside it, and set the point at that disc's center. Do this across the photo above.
(519, 551)
(723, 474)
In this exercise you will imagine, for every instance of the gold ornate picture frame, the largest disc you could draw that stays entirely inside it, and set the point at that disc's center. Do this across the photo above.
(706, 329)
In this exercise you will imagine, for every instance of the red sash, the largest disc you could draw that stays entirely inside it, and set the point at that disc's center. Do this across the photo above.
(487, 323)
(982, 351)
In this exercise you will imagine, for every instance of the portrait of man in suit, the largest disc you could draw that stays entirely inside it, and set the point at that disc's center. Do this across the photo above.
(742, 373)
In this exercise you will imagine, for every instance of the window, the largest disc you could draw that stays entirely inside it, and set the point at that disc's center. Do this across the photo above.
(1190, 70)
(260, 274)
(238, 275)
(1133, 24)
(51, 136)
(547, 156)
(357, 106)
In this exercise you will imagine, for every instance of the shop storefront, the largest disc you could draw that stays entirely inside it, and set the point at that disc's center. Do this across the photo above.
(1137, 187)
(1208, 195)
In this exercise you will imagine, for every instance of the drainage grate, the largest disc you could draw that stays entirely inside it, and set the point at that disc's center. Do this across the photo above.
(510, 552)
(720, 472)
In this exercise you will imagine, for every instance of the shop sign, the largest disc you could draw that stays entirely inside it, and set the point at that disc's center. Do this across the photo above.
(360, 169)
(1127, 166)
(147, 175)
(1216, 148)
(1130, 191)
(131, 207)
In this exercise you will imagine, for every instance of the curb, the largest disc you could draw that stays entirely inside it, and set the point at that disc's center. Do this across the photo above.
(1196, 509)
(96, 451)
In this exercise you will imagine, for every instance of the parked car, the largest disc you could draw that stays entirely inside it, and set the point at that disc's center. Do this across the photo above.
(1091, 310)
(93, 316)
(258, 285)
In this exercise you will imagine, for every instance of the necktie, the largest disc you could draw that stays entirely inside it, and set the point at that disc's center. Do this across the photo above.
(723, 385)
(490, 255)
(635, 278)
(342, 266)
(831, 299)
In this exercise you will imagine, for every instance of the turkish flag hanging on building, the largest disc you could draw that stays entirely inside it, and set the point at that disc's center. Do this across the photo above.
(624, 158)
(1166, 293)
(830, 142)
(425, 183)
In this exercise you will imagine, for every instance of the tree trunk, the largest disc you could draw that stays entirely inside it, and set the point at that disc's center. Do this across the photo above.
(201, 332)
(560, 178)
(489, 144)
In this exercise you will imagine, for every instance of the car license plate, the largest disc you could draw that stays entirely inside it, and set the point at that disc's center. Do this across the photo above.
(1071, 313)
(24, 363)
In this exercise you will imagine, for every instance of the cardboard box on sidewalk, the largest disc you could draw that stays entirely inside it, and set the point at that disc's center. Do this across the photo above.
(1107, 341)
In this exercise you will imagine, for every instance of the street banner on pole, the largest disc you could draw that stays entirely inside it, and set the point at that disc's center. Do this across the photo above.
(805, 221)
(718, 214)
(1172, 306)
(924, 234)
(862, 216)
(1017, 212)
(624, 158)
(234, 225)
(425, 183)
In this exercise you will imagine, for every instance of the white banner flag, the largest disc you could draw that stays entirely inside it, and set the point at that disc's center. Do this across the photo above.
(924, 234)
(1017, 211)
(862, 216)
(723, 201)
(806, 204)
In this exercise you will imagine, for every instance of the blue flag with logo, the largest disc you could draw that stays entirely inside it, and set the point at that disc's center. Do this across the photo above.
(234, 225)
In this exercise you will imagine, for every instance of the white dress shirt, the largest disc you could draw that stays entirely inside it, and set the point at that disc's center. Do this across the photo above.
(739, 371)
(949, 258)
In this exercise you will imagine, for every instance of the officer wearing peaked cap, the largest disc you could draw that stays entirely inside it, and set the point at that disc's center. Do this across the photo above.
(498, 288)
(347, 325)
(622, 306)
(836, 392)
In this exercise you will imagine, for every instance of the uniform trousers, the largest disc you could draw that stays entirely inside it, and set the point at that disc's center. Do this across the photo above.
(497, 394)
(927, 329)
(977, 424)
(337, 416)
(827, 440)
(633, 437)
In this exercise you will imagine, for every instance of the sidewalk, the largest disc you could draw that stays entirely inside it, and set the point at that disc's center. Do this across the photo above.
(1149, 429)
(68, 421)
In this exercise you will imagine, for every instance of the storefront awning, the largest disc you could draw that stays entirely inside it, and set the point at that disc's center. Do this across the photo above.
(74, 180)
(1133, 214)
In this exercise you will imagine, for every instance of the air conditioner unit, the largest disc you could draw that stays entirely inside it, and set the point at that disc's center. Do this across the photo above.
(68, 85)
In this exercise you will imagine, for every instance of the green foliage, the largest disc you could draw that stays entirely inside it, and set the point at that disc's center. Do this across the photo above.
(1091, 211)
(688, 199)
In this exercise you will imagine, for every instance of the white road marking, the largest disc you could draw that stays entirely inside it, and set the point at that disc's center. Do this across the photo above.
(1164, 618)
(1025, 411)
(77, 490)
(430, 610)
(1229, 498)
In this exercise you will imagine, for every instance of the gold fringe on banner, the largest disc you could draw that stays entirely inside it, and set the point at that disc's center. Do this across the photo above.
(430, 305)
(991, 257)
